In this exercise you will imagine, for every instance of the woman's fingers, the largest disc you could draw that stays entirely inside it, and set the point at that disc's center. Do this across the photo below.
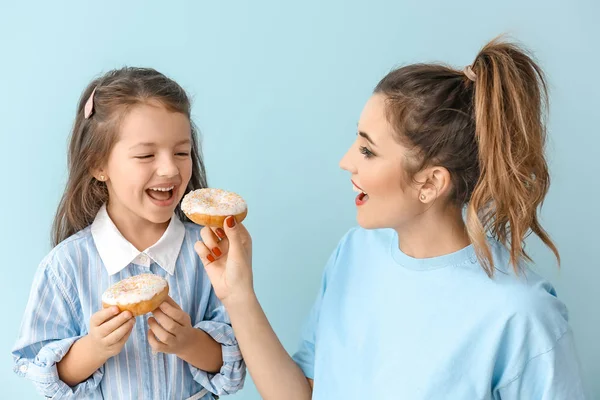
(204, 253)
(216, 245)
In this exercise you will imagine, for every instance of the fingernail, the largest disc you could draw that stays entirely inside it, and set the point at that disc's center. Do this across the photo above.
(217, 252)
(230, 222)
(220, 233)
(210, 258)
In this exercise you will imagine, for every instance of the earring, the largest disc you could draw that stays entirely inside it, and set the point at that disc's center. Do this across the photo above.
(102, 178)
(422, 197)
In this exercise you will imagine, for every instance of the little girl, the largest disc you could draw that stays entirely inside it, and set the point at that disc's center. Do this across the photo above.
(133, 155)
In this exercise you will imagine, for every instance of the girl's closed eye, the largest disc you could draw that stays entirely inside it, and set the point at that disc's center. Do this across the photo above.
(144, 157)
(183, 154)
(366, 152)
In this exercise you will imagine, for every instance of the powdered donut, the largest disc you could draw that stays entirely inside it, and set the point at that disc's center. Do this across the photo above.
(210, 207)
(138, 294)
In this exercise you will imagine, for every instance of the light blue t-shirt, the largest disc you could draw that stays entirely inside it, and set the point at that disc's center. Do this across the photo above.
(389, 326)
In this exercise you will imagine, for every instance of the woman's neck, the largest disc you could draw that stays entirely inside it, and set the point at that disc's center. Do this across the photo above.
(433, 234)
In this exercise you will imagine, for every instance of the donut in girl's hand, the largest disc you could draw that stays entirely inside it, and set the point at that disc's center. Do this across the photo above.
(210, 207)
(139, 294)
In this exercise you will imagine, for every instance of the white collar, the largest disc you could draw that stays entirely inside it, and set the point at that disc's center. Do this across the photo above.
(117, 253)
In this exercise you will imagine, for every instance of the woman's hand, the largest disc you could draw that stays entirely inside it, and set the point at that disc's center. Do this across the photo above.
(227, 257)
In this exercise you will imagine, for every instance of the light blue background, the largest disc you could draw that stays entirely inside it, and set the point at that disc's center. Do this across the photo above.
(278, 87)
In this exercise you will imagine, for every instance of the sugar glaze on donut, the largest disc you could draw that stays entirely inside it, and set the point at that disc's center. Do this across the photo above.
(139, 294)
(210, 207)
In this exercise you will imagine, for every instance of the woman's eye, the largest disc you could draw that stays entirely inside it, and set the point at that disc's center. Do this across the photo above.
(366, 152)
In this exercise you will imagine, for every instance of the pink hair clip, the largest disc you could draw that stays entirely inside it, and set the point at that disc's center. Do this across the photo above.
(89, 105)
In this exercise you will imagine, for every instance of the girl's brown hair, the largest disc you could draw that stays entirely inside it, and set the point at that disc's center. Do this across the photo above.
(92, 139)
(488, 130)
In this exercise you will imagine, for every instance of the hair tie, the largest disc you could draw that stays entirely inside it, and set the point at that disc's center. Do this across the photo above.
(89, 105)
(468, 71)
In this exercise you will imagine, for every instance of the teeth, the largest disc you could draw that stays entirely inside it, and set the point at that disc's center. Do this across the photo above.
(357, 190)
(163, 189)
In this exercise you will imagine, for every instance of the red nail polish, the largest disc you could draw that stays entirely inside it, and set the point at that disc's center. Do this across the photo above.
(217, 252)
(230, 222)
(220, 233)
(210, 258)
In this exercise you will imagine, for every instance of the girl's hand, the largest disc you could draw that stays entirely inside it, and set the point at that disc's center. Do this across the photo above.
(109, 330)
(173, 328)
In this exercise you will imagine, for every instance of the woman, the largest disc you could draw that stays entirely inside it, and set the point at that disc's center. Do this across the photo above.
(419, 302)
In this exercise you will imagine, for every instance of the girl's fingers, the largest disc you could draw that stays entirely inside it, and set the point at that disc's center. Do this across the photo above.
(103, 315)
(119, 333)
(160, 332)
(113, 324)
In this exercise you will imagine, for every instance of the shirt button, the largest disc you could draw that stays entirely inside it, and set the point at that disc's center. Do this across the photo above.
(143, 258)
(23, 368)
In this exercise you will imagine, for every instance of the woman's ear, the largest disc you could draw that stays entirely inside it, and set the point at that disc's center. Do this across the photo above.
(436, 183)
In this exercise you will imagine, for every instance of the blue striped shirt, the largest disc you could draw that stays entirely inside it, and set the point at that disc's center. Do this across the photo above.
(67, 290)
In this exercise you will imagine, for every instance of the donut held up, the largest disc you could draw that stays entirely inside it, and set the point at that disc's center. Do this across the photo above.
(210, 207)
